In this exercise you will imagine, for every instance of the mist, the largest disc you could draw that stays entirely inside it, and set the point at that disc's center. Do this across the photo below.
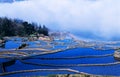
(95, 19)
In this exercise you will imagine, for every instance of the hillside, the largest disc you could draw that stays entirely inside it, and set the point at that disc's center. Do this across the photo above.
(16, 27)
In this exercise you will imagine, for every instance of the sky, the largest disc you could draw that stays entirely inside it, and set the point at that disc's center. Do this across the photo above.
(99, 19)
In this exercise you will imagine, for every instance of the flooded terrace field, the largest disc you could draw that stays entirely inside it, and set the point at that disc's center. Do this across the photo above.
(57, 57)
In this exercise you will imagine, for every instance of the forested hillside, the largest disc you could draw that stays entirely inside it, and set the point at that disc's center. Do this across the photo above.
(16, 27)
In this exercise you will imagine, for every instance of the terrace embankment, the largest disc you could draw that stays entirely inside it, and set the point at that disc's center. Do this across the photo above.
(70, 65)
(22, 53)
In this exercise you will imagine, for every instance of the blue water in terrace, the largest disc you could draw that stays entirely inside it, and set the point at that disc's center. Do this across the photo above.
(79, 52)
(12, 45)
(75, 52)
(113, 70)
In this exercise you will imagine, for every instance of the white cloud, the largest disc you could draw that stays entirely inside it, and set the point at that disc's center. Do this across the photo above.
(100, 17)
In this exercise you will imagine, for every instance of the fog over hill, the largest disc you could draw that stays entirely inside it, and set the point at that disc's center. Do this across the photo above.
(94, 19)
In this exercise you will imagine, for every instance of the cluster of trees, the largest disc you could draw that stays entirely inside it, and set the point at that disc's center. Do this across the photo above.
(16, 27)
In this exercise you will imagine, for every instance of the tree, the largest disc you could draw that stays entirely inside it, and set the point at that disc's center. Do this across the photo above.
(16, 27)
(43, 30)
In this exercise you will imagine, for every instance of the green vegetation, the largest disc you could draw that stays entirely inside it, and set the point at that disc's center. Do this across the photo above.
(16, 27)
